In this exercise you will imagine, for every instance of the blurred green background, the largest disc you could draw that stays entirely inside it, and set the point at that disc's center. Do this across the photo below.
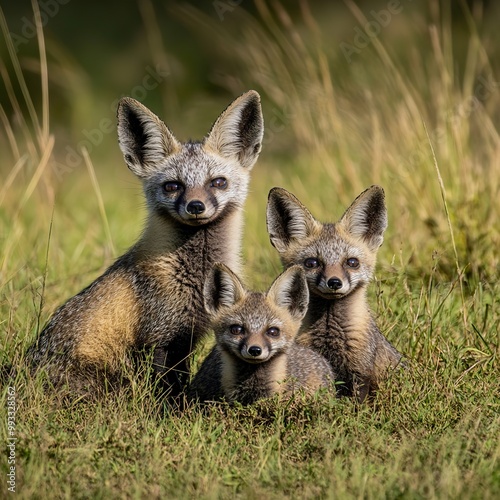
(99, 51)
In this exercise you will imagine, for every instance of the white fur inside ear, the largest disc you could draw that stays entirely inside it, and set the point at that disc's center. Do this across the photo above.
(238, 132)
(224, 136)
(366, 218)
(144, 139)
(291, 292)
(300, 223)
(222, 289)
(358, 224)
(229, 290)
(287, 219)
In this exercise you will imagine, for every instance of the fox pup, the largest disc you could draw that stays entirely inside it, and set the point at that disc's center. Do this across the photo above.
(339, 261)
(256, 355)
(152, 295)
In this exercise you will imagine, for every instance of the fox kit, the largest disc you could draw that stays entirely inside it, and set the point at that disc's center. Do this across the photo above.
(256, 355)
(152, 295)
(339, 261)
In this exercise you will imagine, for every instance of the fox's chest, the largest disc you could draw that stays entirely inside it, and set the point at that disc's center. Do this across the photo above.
(171, 288)
(324, 332)
(249, 387)
(327, 336)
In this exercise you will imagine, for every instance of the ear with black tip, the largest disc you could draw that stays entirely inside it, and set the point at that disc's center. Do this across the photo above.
(144, 139)
(290, 291)
(287, 219)
(237, 133)
(222, 289)
(366, 218)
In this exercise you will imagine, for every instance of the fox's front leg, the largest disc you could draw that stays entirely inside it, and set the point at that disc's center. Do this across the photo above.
(171, 371)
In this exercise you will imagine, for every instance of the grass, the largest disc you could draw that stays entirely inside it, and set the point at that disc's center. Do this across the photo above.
(423, 124)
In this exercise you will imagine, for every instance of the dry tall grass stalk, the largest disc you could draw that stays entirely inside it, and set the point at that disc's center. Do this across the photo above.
(100, 202)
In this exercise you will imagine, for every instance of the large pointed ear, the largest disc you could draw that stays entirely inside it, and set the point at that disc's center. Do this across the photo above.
(144, 139)
(238, 132)
(366, 218)
(222, 289)
(290, 291)
(287, 219)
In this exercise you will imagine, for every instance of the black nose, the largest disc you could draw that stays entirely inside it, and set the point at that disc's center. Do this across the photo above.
(255, 351)
(334, 284)
(195, 207)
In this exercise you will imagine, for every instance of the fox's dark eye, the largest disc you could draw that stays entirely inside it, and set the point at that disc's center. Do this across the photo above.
(219, 183)
(273, 332)
(169, 187)
(353, 262)
(236, 329)
(311, 263)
